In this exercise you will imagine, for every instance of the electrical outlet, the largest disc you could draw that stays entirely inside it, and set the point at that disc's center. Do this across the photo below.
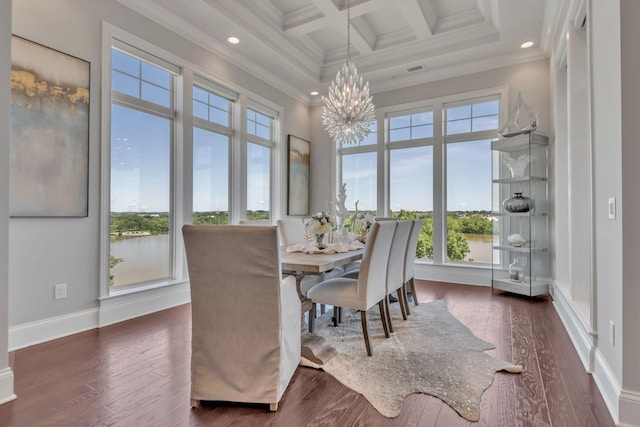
(60, 291)
(612, 333)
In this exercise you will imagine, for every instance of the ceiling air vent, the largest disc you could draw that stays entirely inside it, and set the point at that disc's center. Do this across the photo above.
(415, 68)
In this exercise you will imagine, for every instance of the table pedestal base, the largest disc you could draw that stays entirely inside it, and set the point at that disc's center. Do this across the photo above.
(317, 349)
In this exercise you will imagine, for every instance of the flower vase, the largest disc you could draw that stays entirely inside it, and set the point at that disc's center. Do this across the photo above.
(320, 241)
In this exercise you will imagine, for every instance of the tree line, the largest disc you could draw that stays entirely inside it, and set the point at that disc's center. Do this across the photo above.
(458, 224)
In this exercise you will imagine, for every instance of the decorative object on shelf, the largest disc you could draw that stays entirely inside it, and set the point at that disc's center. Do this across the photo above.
(516, 270)
(341, 209)
(523, 119)
(348, 109)
(517, 203)
(318, 225)
(361, 224)
(517, 166)
(516, 240)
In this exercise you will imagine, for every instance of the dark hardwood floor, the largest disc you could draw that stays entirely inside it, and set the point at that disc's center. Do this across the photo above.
(136, 373)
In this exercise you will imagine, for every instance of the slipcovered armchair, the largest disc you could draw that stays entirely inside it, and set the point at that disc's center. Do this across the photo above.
(245, 316)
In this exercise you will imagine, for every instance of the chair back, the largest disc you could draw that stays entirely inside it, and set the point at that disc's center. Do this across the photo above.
(412, 245)
(375, 260)
(241, 334)
(291, 231)
(395, 273)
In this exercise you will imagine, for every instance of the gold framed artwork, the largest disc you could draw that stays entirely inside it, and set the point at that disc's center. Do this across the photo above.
(49, 143)
(298, 182)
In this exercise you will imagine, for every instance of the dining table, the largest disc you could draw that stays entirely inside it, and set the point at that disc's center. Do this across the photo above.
(299, 264)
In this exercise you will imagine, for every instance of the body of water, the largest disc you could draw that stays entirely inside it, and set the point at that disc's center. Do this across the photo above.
(481, 247)
(145, 258)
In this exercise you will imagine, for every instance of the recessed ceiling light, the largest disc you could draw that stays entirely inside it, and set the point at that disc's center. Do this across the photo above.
(314, 93)
(526, 45)
(233, 40)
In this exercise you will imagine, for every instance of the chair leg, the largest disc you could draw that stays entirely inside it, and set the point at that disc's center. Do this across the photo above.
(403, 303)
(406, 299)
(336, 315)
(312, 318)
(413, 291)
(383, 317)
(273, 407)
(365, 331)
(339, 314)
(405, 292)
(387, 313)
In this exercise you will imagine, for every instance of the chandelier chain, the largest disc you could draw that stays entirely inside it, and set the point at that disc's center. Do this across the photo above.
(348, 110)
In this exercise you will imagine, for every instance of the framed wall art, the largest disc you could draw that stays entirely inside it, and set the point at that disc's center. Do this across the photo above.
(298, 184)
(49, 143)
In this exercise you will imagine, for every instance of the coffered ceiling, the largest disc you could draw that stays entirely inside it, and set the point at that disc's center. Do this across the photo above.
(298, 45)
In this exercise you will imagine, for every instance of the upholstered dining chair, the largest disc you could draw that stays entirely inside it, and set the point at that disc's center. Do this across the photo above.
(410, 260)
(292, 231)
(245, 343)
(395, 271)
(369, 288)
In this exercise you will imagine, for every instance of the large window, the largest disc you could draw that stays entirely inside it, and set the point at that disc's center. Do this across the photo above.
(142, 111)
(360, 173)
(260, 144)
(437, 166)
(468, 178)
(181, 148)
(212, 132)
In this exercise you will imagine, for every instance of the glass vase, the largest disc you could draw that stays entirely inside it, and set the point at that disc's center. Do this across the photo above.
(516, 270)
(517, 203)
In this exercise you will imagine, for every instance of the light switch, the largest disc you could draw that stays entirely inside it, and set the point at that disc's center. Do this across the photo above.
(612, 208)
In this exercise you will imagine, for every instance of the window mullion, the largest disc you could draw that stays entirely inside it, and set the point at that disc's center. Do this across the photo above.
(439, 185)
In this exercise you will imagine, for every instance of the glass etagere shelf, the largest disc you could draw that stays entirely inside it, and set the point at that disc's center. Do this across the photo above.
(520, 166)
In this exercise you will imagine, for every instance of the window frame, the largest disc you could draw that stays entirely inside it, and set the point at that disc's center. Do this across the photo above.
(182, 154)
(438, 141)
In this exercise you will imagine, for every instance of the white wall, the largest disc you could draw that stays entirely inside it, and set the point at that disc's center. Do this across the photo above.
(630, 110)
(6, 375)
(43, 252)
(606, 136)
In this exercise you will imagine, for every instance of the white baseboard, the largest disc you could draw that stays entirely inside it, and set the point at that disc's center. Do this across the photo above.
(111, 310)
(128, 306)
(584, 341)
(608, 385)
(629, 409)
(466, 275)
(40, 331)
(6, 386)
(582, 338)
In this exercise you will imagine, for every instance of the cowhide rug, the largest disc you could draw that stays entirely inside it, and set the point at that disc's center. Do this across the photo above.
(431, 352)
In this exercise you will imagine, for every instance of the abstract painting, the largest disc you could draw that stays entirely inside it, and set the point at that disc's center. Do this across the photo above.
(299, 163)
(49, 141)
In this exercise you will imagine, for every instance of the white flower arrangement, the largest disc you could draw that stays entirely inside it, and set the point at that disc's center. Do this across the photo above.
(319, 223)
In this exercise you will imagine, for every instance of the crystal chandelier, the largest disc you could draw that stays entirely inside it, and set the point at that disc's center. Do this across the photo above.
(348, 109)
